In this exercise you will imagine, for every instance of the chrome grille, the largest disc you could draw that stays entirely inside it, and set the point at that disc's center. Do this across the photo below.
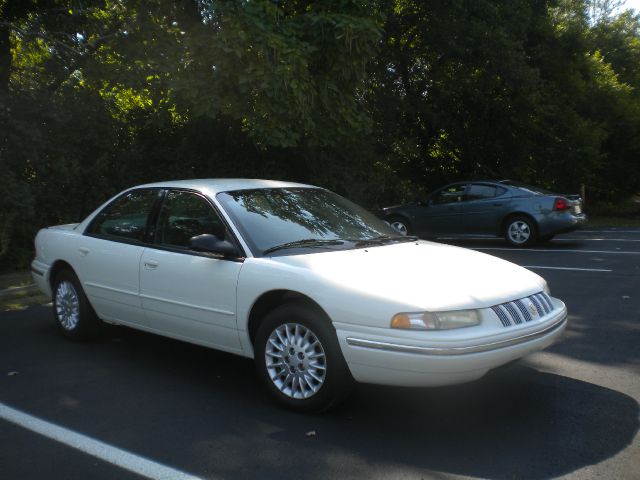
(524, 309)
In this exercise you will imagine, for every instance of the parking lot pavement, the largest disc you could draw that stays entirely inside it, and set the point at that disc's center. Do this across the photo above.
(569, 411)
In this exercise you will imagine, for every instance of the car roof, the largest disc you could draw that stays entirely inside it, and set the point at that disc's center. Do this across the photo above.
(464, 182)
(484, 181)
(217, 185)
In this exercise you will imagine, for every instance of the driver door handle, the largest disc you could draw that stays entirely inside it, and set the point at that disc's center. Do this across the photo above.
(151, 264)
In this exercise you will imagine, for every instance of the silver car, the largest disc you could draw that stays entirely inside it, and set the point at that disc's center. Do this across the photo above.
(521, 213)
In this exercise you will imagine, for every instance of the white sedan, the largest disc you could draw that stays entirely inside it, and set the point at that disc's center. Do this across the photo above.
(316, 289)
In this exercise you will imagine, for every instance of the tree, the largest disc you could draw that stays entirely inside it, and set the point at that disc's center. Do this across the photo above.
(377, 99)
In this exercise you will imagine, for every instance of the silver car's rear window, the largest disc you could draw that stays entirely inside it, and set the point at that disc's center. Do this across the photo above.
(528, 188)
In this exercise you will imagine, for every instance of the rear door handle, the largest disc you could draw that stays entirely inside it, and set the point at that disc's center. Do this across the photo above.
(150, 264)
(84, 251)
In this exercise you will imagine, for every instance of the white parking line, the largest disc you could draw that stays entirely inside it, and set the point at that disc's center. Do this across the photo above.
(569, 268)
(563, 239)
(116, 456)
(573, 239)
(610, 231)
(556, 250)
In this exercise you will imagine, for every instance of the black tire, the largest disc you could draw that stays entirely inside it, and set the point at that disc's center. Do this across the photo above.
(337, 380)
(86, 324)
(525, 224)
(400, 224)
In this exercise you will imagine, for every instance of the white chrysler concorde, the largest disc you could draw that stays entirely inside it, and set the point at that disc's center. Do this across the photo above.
(316, 289)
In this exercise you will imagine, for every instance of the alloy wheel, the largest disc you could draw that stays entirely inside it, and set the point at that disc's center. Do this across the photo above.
(296, 361)
(519, 232)
(67, 305)
(400, 227)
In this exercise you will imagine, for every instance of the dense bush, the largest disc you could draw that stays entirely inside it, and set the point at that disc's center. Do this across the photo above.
(380, 100)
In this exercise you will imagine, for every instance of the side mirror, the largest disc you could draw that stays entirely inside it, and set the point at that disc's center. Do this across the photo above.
(207, 243)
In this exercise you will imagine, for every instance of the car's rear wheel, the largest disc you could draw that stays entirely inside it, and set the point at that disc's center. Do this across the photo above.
(71, 309)
(401, 225)
(299, 359)
(520, 231)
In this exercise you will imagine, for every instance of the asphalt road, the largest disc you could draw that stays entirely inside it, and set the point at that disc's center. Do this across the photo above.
(569, 411)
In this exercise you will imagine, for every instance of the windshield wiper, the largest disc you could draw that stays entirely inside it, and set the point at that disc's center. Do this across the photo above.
(385, 239)
(306, 242)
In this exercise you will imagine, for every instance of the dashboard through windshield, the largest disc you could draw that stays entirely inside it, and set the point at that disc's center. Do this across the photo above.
(280, 219)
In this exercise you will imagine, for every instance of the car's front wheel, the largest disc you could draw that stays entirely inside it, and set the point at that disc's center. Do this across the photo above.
(520, 231)
(299, 359)
(401, 225)
(71, 309)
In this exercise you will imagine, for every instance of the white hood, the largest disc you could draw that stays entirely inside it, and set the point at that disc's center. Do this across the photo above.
(420, 275)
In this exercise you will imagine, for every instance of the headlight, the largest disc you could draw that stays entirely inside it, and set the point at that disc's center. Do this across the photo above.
(436, 320)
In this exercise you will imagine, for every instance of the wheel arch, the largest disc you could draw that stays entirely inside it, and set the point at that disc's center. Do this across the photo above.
(510, 215)
(57, 267)
(272, 299)
(402, 216)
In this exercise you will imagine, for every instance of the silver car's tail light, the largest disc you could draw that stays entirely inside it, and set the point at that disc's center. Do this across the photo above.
(524, 309)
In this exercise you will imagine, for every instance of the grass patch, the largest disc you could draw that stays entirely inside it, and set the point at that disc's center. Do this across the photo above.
(23, 299)
(21, 303)
(25, 295)
(14, 280)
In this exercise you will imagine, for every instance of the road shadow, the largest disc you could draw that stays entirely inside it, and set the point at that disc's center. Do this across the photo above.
(517, 423)
(609, 335)
(205, 412)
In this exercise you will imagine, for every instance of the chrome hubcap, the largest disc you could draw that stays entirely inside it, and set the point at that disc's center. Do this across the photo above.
(400, 227)
(67, 305)
(519, 232)
(295, 360)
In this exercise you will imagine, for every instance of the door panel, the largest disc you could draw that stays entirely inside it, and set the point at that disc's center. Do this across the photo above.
(109, 256)
(441, 214)
(484, 208)
(109, 274)
(186, 294)
(190, 296)
(441, 219)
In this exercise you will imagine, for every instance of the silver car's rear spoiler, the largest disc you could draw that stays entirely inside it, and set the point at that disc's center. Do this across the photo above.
(573, 198)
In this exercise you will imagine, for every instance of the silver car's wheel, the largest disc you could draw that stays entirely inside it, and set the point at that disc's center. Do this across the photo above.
(295, 360)
(400, 225)
(67, 305)
(520, 231)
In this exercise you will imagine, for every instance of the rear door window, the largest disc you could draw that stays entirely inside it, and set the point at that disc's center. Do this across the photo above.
(477, 191)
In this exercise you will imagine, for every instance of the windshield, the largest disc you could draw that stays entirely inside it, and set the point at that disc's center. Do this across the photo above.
(269, 218)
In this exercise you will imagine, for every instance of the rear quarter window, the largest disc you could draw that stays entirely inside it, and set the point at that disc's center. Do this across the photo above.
(126, 217)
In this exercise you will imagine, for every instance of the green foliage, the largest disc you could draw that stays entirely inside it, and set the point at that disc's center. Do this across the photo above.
(380, 100)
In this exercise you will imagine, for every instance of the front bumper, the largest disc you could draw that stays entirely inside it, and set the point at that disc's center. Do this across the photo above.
(387, 361)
